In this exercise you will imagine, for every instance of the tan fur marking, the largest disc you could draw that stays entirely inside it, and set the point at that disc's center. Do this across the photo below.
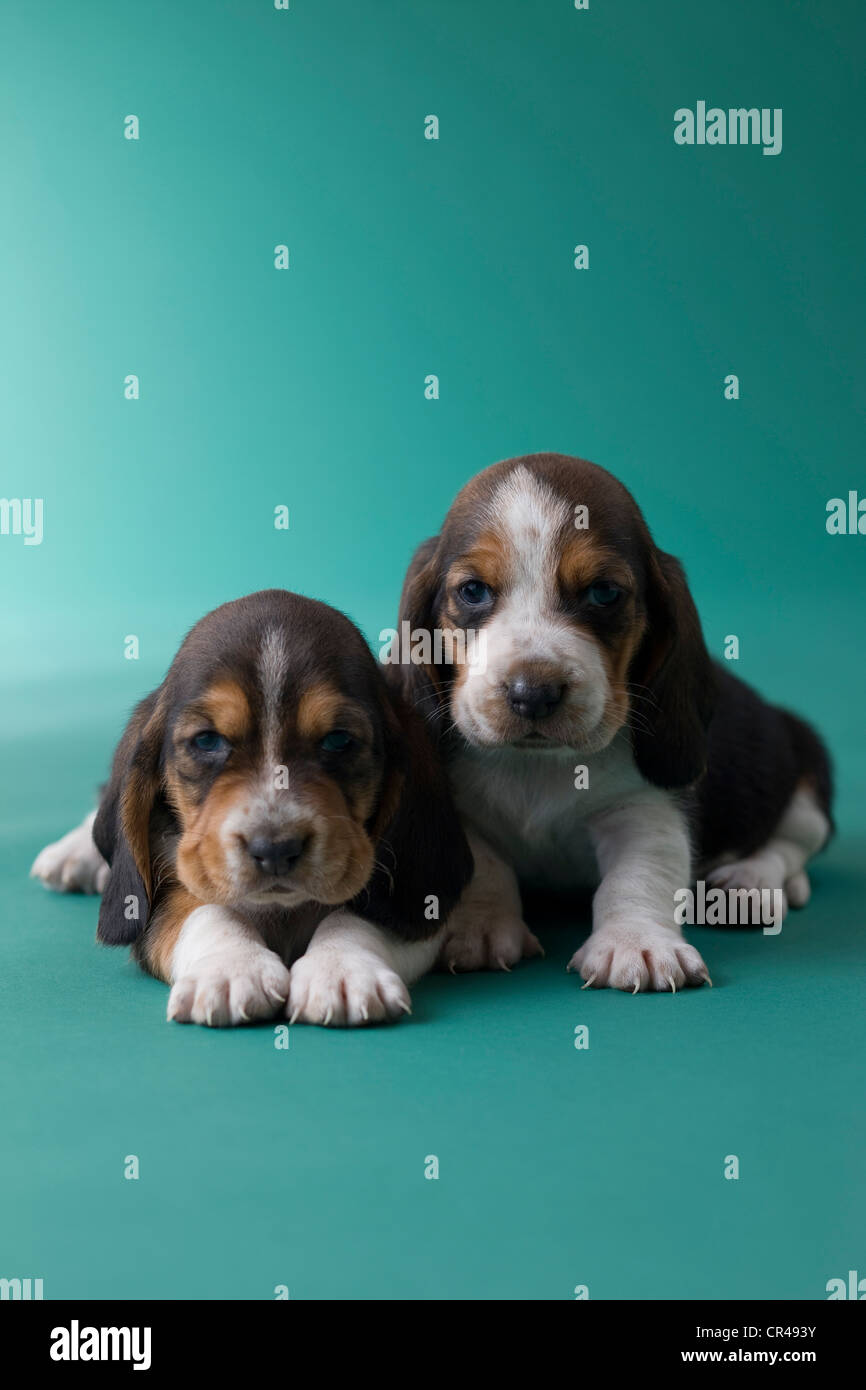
(140, 787)
(177, 795)
(200, 857)
(223, 707)
(163, 933)
(136, 805)
(584, 560)
(228, 708)
(318, 710)
(344, 857)
(486, 560)
(620, 660)
(617, 665)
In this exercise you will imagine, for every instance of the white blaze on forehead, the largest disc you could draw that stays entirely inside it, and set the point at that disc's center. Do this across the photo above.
(273, 670)
(268, 809)
(273, 664)
(529, 517)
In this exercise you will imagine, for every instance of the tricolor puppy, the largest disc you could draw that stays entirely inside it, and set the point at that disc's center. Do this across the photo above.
(597, 745)
(278, 828)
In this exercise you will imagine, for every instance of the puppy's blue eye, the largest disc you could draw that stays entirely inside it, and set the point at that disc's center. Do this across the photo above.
(209, 742)
(337, 741)
(474, 592)
(603, 594)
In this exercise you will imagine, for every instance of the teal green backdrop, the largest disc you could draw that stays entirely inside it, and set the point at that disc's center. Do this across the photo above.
(305, 388)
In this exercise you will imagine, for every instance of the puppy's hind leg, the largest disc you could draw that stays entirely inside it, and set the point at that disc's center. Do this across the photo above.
(486, 930)
(72, 864)
(781, 863)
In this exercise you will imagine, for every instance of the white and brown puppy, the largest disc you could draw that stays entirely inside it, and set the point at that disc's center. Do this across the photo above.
(595, 659)
(279, 830)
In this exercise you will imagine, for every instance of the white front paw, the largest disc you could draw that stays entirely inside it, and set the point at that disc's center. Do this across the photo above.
(345, 989)
(495, 944)
(73, 864)
(637, 956)
(230, 989)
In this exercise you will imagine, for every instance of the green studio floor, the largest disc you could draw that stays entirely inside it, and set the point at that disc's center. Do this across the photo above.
(305, 1168)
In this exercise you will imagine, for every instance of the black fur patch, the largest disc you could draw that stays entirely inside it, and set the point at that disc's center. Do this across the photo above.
(758, 756)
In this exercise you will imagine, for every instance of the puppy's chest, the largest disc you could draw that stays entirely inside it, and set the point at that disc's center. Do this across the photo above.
(534, 809)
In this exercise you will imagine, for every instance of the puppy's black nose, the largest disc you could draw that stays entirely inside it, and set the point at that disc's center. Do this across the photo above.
(275, 857)
(533, 701)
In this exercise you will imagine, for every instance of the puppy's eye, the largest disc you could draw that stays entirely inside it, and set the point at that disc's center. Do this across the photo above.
(603, 594)
(337, 741)
(475, 593)
(209, 741)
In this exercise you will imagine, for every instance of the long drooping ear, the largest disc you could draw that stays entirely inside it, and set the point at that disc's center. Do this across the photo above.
(396, 764)
(423, 860)
(419, 683)
(121, 831)
(673, 678)
(420, 584)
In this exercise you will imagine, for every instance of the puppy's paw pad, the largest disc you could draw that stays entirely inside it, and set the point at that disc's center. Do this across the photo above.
(222, 993)
(495, 945)
(72, 865)
(349, 992)
(637, 959)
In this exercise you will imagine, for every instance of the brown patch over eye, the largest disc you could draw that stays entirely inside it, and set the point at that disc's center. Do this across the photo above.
(322, 708)
(485, 560)
(224, 707)
(584, 560)
(318, 711)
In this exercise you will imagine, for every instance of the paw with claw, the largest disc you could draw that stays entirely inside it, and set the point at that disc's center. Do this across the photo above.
(636, 957)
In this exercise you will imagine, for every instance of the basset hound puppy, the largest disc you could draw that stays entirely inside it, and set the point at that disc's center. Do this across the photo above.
(597, 745)
(277, 835)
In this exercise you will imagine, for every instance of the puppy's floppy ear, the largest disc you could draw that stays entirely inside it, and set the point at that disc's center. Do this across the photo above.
(121, 830)
(421, 685)
(673, 673)
(423, 860)
(420, 584)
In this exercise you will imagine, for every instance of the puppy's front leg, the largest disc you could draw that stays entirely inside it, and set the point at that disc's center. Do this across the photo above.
(220, 969)
(486, 930)
(643, 857)
(353, 972)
